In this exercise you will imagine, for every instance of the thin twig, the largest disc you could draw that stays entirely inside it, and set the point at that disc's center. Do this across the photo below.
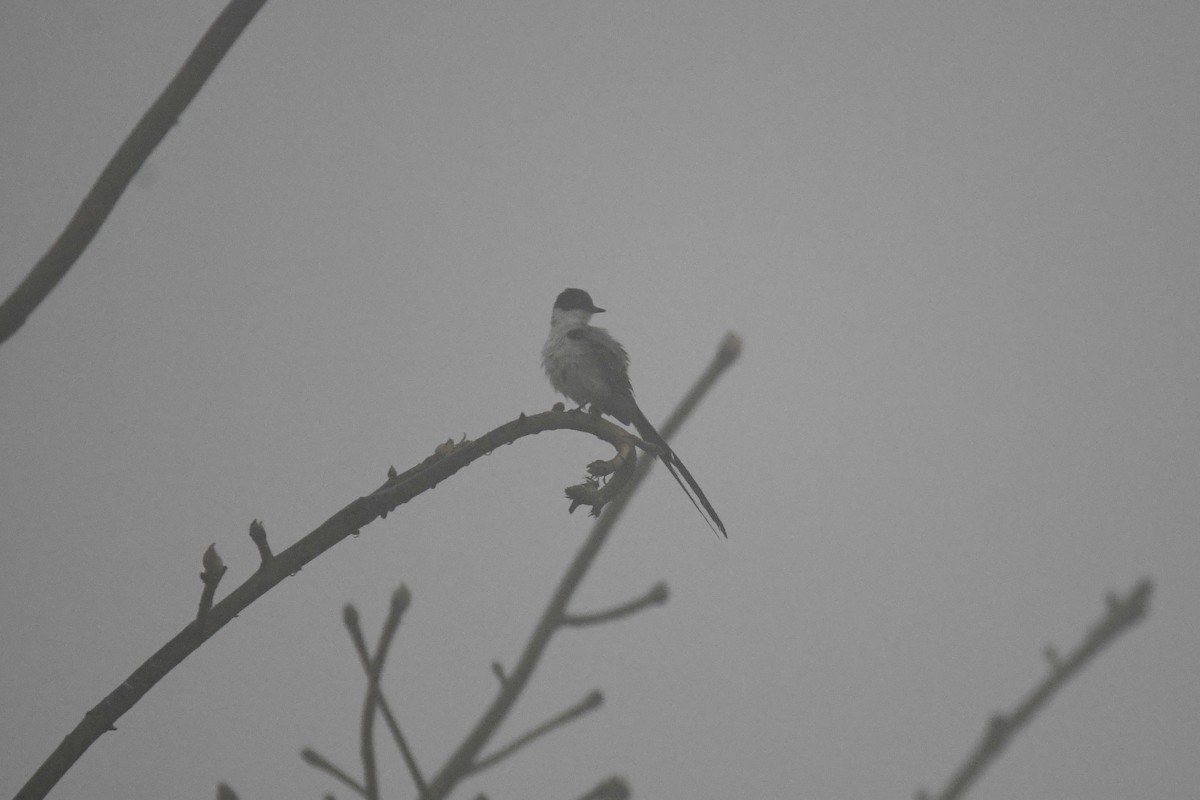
(100, 200)
(258, 535)
(214, 570)
(410, 761)
(400, 602)
(1122, 614)
(613, 788)
(366, 738)
(657, 595)
(373, 667)
(589, 703)
(318, 761)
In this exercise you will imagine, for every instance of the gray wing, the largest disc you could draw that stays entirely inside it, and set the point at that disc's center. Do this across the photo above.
(610, 356)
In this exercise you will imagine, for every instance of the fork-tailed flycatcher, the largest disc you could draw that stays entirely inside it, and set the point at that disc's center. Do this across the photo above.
(591, 367)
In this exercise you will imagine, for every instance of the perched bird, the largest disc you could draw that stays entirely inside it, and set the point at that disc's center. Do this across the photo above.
(589, 366)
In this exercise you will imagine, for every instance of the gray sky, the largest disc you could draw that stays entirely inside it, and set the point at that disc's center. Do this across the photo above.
(960, 242)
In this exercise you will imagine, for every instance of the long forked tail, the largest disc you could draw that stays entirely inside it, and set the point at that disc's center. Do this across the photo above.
(676, 468)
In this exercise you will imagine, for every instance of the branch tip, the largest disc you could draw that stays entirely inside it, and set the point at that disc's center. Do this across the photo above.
(729, 349)
(258, 534)
(214, 567)
(318, 761)
(401, 599)
(659, 593)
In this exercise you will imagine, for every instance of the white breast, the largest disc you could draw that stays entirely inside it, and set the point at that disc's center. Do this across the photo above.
(572, 370)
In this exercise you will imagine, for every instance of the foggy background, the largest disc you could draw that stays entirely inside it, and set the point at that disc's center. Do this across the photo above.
(960, 243)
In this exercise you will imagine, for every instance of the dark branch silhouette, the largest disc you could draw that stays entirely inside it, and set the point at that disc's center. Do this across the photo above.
(399, 489)
(151, 129)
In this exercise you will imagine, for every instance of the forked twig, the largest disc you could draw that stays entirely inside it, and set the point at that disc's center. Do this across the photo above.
(373, 667)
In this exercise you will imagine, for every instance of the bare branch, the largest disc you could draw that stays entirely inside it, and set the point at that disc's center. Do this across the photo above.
(345, 523)
(1123, 614)
(589, 703)
(655, 597)
(99, 202)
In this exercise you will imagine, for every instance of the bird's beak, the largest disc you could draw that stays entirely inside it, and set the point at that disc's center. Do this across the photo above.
(597, 310)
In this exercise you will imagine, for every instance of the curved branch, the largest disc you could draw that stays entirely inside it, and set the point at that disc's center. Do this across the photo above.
(151, 129)
(359, 513)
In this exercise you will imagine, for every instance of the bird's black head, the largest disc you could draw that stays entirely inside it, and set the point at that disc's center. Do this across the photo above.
(576, 300)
